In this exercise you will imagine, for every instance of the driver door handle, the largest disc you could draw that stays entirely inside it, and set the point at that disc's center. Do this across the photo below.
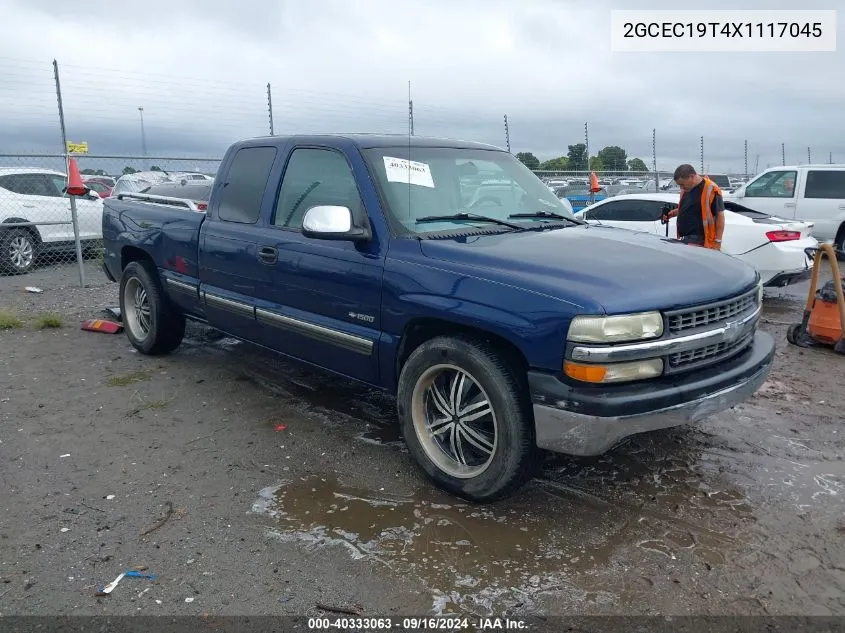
(268, 255)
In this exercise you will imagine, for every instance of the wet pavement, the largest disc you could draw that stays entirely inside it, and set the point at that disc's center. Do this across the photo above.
(742, 514)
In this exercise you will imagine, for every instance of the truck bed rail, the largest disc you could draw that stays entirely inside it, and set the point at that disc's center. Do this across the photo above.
(164, 200)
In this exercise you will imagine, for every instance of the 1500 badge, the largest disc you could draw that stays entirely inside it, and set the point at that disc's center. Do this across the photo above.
(368, 318)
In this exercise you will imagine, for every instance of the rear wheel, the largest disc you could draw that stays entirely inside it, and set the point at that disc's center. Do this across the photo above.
(17, 251)
(466, 418)
(152, 324)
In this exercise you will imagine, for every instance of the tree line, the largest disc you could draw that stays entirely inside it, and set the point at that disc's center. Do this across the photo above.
(610, 158)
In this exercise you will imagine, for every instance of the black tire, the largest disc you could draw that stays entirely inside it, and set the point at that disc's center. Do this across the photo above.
(515, 457)
(18, 251)
(791, 332)
(162, 330)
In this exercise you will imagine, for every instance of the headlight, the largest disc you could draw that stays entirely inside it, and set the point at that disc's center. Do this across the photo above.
(616, 329)
(616, 372)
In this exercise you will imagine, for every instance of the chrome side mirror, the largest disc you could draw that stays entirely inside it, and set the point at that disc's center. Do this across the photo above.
(330, 222)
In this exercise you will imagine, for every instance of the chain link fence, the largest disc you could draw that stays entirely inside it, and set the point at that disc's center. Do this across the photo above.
(36, 222)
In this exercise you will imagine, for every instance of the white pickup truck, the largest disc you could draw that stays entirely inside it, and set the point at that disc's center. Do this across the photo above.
(811, 193)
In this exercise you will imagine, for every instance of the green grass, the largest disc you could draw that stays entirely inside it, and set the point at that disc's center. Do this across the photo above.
(147, 405)
(50, 320)
(9, 320)
(128, 379)
(98, 256)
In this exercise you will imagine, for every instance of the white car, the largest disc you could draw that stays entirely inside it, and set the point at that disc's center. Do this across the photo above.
(812, 193)
(774, 246)
(502, 193)
(35, 217)
(136, 181)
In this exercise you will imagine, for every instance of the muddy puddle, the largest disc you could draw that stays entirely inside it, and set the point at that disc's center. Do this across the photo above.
(480, 559)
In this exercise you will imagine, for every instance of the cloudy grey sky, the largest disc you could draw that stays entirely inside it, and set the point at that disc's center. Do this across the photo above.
(200, 68)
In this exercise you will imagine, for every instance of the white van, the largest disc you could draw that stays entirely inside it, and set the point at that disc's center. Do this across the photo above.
(811, 193)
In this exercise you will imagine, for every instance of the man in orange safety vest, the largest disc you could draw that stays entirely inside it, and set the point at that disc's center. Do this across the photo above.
(700, 211)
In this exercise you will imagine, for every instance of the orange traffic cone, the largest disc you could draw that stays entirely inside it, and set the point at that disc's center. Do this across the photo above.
(594, 183)
(75, 186)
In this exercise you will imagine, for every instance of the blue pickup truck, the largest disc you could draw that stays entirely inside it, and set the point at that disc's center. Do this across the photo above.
(504, 325)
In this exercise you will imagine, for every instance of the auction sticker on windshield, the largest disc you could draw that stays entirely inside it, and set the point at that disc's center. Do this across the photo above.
(411, 172)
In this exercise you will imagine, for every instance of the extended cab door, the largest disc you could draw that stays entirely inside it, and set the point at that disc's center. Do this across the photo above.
(822, 201)
(324, 300)
(231, 273)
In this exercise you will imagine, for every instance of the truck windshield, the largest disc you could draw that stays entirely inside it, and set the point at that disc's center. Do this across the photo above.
(445, 181)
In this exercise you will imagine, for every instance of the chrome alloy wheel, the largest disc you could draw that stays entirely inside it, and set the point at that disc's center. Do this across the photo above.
(21, 252)
(137, 306)
(454, 421)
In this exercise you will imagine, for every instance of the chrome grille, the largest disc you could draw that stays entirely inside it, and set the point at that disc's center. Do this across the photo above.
(708, 354)
(711, 314)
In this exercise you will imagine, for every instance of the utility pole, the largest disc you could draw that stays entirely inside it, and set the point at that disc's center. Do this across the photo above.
(507, 135)
(143, 133)
(410, 111)
(654, 158)
(702, 154)
(587, 145)
(756, 164)
(783, 153)
(270, 108)
(74, 218)
(746, 158)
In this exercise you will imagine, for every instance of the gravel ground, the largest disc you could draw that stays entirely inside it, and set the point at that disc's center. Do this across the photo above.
(250, 485)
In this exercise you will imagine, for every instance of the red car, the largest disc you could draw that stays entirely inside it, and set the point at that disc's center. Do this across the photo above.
(102, 189)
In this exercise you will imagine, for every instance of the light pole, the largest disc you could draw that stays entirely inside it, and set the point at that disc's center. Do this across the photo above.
(143, 134)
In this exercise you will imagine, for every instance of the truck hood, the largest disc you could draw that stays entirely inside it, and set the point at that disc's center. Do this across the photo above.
(598, 268)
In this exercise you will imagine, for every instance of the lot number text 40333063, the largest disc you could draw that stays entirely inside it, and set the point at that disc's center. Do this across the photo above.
(410, 624)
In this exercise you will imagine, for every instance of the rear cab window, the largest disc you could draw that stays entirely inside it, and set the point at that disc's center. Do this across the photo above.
(827, 184)
(246, 181)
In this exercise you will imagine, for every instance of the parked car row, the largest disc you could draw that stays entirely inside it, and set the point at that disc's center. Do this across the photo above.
(35, 215)
(808, 201)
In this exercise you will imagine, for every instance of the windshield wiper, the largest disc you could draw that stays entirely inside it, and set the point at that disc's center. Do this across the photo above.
(469, 216)
(545, 214)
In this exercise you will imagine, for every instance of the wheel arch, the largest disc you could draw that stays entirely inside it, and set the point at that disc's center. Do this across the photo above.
(129, 254)
(32, 230)
(419, 330)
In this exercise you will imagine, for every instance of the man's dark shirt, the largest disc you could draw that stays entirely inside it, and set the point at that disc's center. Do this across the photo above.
(689, 212)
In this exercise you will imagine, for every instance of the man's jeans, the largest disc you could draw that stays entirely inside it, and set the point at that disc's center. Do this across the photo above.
(693, 240)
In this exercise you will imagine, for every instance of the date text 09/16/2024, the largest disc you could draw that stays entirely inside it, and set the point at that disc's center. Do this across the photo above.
(415, 624)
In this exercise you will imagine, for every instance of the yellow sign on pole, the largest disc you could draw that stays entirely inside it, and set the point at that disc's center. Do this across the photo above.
(77, 148)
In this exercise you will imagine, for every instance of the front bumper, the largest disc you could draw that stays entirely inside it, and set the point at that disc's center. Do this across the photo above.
(590, 420)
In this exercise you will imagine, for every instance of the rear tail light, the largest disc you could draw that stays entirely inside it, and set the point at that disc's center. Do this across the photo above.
(201, 206)
(783, 236)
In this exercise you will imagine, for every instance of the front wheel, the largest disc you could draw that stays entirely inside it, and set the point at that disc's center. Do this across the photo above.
(17, 251)
(466, 418)
(152, 324)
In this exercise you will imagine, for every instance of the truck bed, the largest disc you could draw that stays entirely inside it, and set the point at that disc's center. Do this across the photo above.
(170, 235)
